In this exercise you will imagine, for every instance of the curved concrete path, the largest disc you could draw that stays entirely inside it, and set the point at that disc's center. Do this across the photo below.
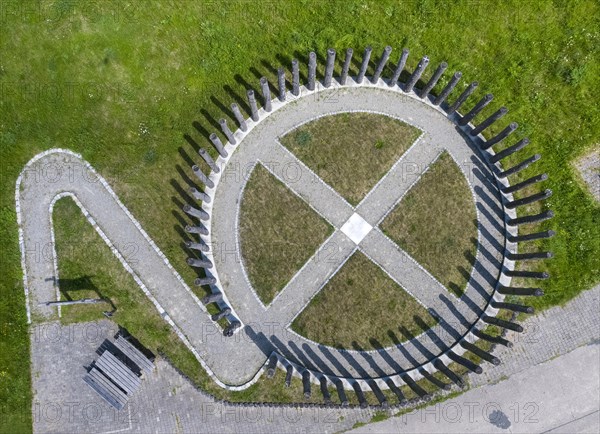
(238, 360)
(261, 144)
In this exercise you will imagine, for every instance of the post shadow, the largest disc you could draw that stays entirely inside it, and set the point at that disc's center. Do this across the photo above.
(489, 184)
(185, 156)
(491, 240)
(178, 202)
(352, 361)
(269, 66)
(461, 318)
(369, 359)
(242, 82)
(495, 222)
(418, 345)
(223, 108)
(195, 146)
(414, 363)
(203, 131)
(483, 167)
(486, 254)
(483, 272)
(182, 234)
(211, 120)
(260, 340)
(334, 361)
(464, 297)
(239, 100)
(322, 366)
(386, 356)
(445, 325)
(475, 284)
(299, 355)
(474, 147)
(83, 283)
(490, 203)
(185, 178)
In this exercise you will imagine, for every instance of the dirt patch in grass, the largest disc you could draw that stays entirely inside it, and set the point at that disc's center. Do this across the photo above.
(351, 151)
(279, 232)
(361, 307)
(588, 168)
(434, 223)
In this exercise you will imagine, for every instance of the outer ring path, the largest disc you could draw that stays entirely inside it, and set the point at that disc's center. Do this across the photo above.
(270, 324)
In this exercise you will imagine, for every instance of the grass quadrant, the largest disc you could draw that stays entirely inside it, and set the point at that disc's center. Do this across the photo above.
(435, 224)
(351, 151)
(361, 307)
(279, 232)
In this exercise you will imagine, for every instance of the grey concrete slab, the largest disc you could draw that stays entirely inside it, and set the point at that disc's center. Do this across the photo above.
(561, 395)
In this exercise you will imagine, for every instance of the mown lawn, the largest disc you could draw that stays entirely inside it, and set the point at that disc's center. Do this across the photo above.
(122, 83)
(434, 223)
(279, 232)
(351, 151)
(361, 307)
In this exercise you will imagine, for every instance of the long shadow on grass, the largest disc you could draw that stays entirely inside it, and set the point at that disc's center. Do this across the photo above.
(84, 283)
(239, 100)
(223, 108)
(202, 130)
(212, 121)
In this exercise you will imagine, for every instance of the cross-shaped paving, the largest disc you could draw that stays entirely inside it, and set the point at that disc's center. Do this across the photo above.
(351, 232)
(356, 227)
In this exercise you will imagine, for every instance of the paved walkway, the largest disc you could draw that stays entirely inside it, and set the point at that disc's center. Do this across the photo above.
(561, 395)
(439, 133)
(167, 403)
(237, 360)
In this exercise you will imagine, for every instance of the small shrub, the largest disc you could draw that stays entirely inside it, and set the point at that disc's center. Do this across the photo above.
(379, 144)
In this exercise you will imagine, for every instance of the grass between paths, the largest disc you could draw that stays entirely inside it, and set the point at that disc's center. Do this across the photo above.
(351, 151)
(88, 269)
(279, 232)
(362, 308)
(435, 224)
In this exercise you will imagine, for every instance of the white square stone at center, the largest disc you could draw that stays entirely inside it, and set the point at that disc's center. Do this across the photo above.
(356, 228)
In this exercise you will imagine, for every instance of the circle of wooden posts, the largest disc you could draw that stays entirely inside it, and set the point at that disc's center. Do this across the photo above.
(494, 160)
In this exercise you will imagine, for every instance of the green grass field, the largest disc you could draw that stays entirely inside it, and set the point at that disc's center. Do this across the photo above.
(121, 84)
(279, 232)
(435, 224)
(351, 151)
